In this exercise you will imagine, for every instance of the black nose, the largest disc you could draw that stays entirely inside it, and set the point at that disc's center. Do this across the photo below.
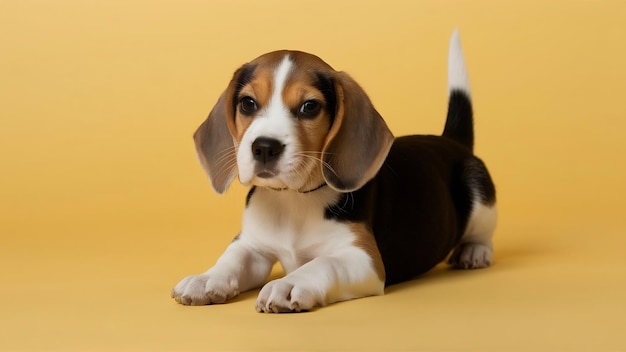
(266, 149)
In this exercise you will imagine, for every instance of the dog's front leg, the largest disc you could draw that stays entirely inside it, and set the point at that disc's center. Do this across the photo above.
(326, 279)
(239, 269)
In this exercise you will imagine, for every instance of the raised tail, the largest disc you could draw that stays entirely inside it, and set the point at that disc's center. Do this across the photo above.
(459, 123)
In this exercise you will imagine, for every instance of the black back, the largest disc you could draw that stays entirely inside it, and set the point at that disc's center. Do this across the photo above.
(417, 206)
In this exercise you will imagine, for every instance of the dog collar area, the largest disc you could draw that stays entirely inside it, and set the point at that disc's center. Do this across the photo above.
(299, 191)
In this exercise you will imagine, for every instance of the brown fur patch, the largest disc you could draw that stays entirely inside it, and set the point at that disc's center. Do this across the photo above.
(311, 132)
(365, 240)
(259, 89)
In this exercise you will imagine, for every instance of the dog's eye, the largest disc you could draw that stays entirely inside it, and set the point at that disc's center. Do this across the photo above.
(309, 108)
(247, 106)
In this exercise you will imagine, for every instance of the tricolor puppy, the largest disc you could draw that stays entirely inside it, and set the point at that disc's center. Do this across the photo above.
(342, 205)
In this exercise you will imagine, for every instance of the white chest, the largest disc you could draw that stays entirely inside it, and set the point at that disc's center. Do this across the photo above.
(291, 226)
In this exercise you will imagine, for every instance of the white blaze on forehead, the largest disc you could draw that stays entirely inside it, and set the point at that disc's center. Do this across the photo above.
(281, 74)
(275, 120)
(280, 78)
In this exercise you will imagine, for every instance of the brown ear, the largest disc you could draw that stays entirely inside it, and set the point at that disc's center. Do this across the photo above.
(358, 141)
(215, 147)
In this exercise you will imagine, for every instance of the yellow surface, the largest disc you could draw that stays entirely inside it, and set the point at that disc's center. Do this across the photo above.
(103, 206)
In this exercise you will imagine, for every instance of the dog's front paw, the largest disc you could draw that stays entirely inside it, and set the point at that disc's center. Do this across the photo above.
(471, 256)
(283, 296)
(197, 290)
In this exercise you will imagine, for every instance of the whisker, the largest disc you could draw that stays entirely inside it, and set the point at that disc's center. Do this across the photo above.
(324, 163)
(224, 154)
(226, 160)
(299, 173)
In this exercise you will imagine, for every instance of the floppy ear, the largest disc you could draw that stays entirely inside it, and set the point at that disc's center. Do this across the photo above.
(358, 141)
(215, 146)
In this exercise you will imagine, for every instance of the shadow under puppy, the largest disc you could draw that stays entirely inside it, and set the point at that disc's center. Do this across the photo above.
(342, 205)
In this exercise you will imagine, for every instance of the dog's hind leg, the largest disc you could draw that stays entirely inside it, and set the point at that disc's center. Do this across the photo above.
(476, 249)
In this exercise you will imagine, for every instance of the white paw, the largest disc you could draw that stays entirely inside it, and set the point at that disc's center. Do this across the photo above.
(471, 256)
(282, 296)
(197, 290)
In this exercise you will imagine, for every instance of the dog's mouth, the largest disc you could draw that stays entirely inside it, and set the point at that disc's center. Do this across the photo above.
(265, 174)
(268, 178)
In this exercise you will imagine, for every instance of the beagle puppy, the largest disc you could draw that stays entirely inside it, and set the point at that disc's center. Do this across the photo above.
(344, 206)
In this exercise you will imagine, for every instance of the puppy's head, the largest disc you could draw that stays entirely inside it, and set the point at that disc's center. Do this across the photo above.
(288, 120)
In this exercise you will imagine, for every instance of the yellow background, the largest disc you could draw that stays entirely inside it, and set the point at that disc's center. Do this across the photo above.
(104, 207)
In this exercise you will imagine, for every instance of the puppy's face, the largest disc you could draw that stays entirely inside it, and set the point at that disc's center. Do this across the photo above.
(284, 105)
(288, 120)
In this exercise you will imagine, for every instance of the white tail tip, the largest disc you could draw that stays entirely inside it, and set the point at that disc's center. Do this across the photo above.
(457, 72)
